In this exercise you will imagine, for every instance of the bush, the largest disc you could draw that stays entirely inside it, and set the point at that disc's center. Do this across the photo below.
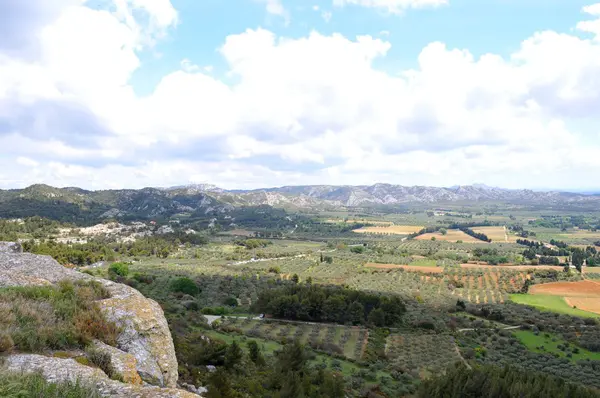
(184, 285)
(34, 385)
(118, 269)
(102, 360)
(214, 311)
(6, 343)
(231, 302)
(50, 317)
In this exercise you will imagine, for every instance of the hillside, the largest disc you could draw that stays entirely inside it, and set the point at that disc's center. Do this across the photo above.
(79, 205)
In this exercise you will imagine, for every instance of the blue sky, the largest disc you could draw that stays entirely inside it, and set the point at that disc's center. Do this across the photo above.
(496, 26)
(254, 93)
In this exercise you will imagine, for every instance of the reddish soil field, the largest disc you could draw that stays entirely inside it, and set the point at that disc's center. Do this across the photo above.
(591, 304)
(570, 289)
(427, 270)
(513, 267)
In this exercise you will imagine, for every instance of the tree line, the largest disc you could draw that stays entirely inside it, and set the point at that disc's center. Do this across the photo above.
(494, 382)
(306, 302)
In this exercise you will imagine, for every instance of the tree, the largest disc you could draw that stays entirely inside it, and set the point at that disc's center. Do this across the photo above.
(356, 313)
(443, 231)
(233, 355)
(118, 269)
(377, 317)
(219, 385)
(333, 386)
(255, 354)
(577, 258)
(295, 278)
(184, 285)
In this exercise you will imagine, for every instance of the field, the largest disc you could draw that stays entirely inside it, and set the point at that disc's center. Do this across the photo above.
(550, 303)
(416, 268)
(582, 295)
(424, 352)
(359, 220)
(453, 235)
(547, 343)
(569, 289)
(390, 230)
(341, 340)
(496, 234)
(513, 267)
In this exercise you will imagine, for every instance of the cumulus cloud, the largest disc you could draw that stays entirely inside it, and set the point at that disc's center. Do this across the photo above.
(313, 109)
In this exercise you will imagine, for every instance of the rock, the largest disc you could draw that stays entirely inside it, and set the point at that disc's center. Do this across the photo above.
(145, 333)
(67, 369)
(10, 247)
(123, 363)
(196, 390)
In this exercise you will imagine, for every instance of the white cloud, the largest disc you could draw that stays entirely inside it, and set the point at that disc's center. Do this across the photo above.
(275, 7)
(391, 6)
(313, 109)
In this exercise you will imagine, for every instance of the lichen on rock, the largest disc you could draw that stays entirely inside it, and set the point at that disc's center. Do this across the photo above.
(144, 333)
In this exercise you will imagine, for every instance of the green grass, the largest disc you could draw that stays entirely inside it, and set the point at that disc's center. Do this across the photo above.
(424, 263)
(34, 385)
(550, 303)
(536, 342)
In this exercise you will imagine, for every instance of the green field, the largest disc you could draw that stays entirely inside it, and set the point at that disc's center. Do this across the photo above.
(550, 345)
(550, 303)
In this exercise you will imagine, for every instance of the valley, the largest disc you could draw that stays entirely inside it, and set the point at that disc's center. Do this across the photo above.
(373, 301)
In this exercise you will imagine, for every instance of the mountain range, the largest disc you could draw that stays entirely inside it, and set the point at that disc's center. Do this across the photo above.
(77, 203)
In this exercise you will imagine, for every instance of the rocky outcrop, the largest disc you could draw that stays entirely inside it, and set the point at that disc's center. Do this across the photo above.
(67, 369)
(144, 335)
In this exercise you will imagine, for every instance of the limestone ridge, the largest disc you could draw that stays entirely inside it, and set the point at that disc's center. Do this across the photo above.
(145, 340)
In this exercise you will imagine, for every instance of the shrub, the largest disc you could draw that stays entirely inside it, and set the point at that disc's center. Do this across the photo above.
(184, 285)
(54, 317)
(231, 302)
(118, 269)
(34, 385)
(103, 361)
(214, 311)
(6, 343)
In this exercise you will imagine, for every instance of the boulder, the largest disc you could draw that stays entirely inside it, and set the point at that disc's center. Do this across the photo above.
(11, 247)
(67, 369)
(144, 330)
(124, 365)
(144, 333)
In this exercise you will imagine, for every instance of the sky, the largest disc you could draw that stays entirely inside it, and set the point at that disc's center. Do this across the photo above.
(105, 94)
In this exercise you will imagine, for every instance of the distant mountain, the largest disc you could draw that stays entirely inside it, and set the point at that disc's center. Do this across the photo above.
(388, 194)
(77, 204)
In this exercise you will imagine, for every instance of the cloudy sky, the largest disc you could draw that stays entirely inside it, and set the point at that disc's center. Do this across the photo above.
(254, 93)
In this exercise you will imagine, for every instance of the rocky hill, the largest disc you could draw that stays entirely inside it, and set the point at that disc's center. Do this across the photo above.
(75, 204)
(144, 356)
